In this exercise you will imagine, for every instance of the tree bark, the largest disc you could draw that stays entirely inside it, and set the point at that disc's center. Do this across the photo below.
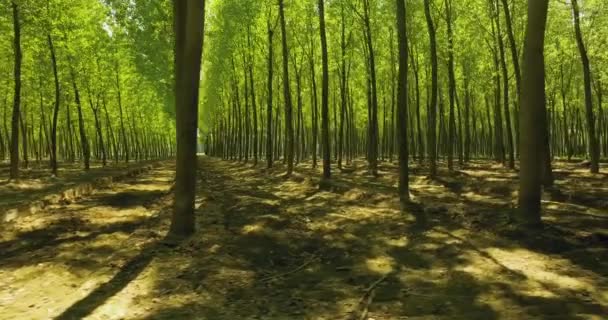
(531, 113)
(269, 135)
(189, 17)
(86, 154)
(432, 112)
(402, 105)
(324, 95)
(452, 85)
(505, 79)
(14, 172)
(289, 137)
(592, 138)
(373, 136)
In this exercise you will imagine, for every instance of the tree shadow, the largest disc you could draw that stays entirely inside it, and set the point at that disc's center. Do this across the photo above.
(120, 280)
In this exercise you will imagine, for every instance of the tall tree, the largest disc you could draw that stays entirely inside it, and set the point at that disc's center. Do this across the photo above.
(324, 95)
(269, 151)
(505, 79)
(189, 20)
(373, 90)
(289, 138)
(402, 107)
(53, 154)
(451, 84)
(432, 112)
(14, 173)
(594, 149)
(531, 113)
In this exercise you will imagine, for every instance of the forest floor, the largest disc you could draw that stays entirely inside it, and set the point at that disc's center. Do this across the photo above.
(270, 247)
(37, 181)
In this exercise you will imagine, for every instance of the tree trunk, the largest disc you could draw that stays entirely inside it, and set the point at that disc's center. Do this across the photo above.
(432, 112)
(505, 79)
(14, 173)
(123, 132)
(531, 113)
(402, 105)
(452, 85)
(254, 106)
(86, 154)
(373, 137)
(515, 60)
(289, 139)
(593, 145)
(189, 16)
(269, 135)
(324, 95)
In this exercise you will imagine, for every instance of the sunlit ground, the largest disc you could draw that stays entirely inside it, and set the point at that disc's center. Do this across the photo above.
(270, 247)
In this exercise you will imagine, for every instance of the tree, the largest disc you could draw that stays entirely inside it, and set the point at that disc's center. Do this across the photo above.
(432, 112)
(593, 146)
(451, 84)
(289, 140)
(269, 151)
(324, 95)
(189, 17)
(402, 107)
(14, 173)
(530, 114)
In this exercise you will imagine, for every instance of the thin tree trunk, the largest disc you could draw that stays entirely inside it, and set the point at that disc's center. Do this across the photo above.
(373, 137)
(592, 145)
(86, 154)
(402, 105)
(324, 95)
(14, 173)
(269, 134)
(452, 86)
(432, 112)
(289, 137)
(505, 79)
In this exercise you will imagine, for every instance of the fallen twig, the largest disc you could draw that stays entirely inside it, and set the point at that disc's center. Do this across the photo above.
(280, 275)
(368, 297)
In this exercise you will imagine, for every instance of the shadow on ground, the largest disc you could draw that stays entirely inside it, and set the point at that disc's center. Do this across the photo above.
(270, 247)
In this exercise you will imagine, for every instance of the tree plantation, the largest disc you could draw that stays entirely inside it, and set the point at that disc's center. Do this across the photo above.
(303, 159)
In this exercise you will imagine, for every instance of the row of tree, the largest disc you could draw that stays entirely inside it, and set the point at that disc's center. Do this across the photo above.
(464, 70)
(78, 91)
(467, 96)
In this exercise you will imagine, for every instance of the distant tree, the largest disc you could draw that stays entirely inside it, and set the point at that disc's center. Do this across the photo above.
(432, 106)
(594, 150)
(14, 173)
(402, 104)
(324, 95)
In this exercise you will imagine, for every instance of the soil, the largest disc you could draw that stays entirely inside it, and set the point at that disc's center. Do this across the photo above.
(276, 247)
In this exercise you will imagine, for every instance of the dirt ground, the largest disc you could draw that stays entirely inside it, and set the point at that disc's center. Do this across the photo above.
(37, 181)
(270, 247)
